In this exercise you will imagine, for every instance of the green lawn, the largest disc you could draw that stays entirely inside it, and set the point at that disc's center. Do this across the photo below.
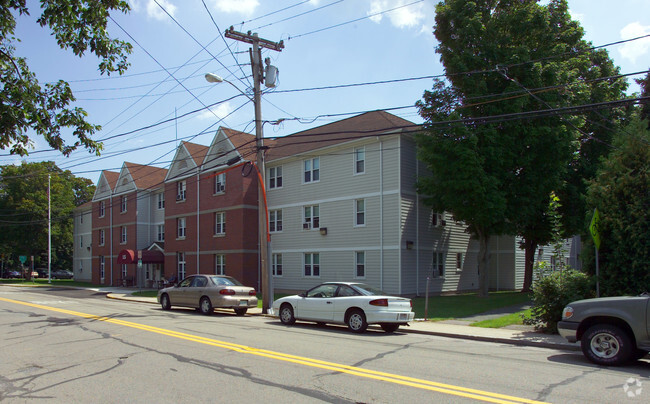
(458, 306)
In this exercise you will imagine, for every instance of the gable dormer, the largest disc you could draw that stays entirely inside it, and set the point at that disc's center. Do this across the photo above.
(222, 149)
(105, 185)
(125, 182)
(186, 160)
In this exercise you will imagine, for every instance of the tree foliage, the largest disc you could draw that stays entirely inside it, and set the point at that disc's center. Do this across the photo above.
(621, 192)
(505, 57)
(24, 211)
(26, 105)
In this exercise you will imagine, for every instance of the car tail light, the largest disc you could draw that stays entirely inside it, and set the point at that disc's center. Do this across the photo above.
(252, 293)
(379, 302)
(226, 292)
(411, 303)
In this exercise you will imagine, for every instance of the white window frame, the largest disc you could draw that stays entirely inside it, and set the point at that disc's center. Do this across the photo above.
(359, 160)
(124, 272)
(219, 264)
(358, 212)
(161, 233)
(275, 177)
(311, 168)
(219, 223)
(102, 267)
(275, 221)
(181, 189)
(123, 203)
(311, 221)
(161, 200)
(123, 234)
(181, 228)
(102, 209)
(311, 265)
(276, 265)
(102, 237)
(220, 183)
(359, 263)
(180, 265)
(438, 264)
(81, 241)
(459, 261)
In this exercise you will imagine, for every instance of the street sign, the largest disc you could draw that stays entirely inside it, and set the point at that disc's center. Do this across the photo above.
(23, 259)
(593, 228)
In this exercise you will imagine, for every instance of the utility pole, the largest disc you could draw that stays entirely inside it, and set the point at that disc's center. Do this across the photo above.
(258, 78)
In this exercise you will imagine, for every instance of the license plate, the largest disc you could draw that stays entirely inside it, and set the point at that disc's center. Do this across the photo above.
(243, 302)
(403, 316)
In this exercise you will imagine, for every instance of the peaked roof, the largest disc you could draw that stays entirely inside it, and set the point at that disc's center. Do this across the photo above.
(197, 151)
(244, 142)
(146, 177)
(111, 177)
(368, 124)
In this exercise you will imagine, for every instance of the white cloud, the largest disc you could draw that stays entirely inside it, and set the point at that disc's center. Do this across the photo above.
(221, 111)
(404, 17)
(632, 50)
(246, 7)
(154, 11)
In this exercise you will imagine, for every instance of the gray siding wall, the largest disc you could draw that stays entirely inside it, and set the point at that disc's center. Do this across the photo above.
(82, 245)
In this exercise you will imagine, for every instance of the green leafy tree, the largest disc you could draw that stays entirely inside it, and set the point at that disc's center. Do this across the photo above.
(621, 192)
(26, 105)
(504, 57)
(24, 211)
(645, 92)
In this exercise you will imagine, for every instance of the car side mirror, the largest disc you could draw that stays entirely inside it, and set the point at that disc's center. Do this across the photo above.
(303, 295)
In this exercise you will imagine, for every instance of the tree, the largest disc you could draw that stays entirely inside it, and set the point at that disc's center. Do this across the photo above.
(621, 193)
(645, 92)
(502, 57)
(24, 210)
(79, 25)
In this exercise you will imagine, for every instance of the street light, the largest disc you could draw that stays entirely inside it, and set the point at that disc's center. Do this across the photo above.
(264, 238)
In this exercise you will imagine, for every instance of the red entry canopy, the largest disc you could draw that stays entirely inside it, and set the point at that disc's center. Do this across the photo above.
(148, 257)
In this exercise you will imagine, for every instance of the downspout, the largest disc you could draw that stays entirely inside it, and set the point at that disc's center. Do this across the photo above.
(381, 214)
(399, 215)
(417, 230)
(198, 230)
(111, 234)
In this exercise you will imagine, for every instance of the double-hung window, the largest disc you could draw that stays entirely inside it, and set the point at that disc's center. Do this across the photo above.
(180, 259)
(438, 264)
(276, 264)
(123, 204)
(220, 183)
(101, 237)
(312, 264)
(102, 267)
(219, 264)
(311, 217)
(102, 209)
(161, 200)
(180, 226)
(275, 177)
(123, 235)
(359, 160)
(459, 261)
(161, 232)
(359, 212)
(220, 223)
(275, 221)
(360, 264)
(312, 170)
(181, 188)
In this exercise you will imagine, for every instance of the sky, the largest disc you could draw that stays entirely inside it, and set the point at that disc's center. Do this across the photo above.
(368, 54)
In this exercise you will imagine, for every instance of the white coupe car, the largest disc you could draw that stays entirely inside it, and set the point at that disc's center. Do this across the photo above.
(353, 304)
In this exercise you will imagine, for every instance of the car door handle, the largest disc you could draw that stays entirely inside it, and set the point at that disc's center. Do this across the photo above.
(329, 302)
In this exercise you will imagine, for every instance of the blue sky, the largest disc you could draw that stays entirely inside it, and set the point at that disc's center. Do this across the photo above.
(327, 43)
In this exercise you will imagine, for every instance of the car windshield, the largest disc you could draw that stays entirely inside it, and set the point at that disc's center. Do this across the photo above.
(225, 281)
(368, 290)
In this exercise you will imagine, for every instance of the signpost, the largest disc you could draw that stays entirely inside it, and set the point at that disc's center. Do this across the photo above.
(595, 234)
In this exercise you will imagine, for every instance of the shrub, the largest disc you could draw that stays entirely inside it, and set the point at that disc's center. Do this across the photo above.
(554, 291)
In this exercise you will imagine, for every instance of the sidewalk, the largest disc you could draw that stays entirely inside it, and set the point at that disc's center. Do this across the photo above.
(515, 335)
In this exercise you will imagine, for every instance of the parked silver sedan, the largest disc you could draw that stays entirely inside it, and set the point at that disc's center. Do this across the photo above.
(207, 292)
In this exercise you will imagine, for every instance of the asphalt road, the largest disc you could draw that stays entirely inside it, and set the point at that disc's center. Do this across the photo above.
(77, 346)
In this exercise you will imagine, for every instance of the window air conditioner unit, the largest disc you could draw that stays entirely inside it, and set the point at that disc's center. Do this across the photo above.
(179, 197)
(306, 225)
(220, 188)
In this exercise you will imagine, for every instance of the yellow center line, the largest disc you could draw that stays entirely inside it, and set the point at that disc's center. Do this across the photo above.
(352, 370)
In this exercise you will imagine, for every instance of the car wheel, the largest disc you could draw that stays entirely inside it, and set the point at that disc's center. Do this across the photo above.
(606, 344)
(389, 327)
(165, 303)
(286, 314)
(241, 311)
(205, 305)
(357, 321)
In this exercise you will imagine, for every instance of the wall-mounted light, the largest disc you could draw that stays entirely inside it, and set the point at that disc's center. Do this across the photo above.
(323, 231)
(409, 245)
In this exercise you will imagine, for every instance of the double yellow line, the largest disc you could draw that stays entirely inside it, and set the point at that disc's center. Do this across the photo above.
(315, 363)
